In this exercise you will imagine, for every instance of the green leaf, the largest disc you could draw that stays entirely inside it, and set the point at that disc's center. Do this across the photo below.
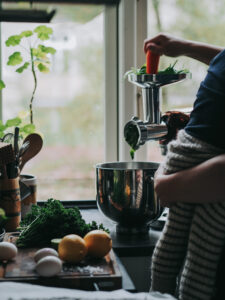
(43, 68)
(28, 128)
(43, 32)
(13, 40)
(2, 85)
(38, 53)
(2, 126)
(26, 33)
(13, 122)
(44, 49)
(15, 59)
(22, 68)
(2, 213)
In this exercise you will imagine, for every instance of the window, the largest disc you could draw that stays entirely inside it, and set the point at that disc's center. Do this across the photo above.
(69, 104)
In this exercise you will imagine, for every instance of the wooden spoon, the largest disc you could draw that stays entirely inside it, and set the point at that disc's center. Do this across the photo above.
(34, 148)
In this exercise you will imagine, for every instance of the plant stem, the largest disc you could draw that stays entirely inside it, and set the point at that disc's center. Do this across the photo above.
(35, 85)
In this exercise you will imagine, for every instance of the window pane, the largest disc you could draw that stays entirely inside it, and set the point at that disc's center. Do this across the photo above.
(68, 104)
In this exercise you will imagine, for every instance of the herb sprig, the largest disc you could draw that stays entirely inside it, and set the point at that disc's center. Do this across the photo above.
(169, 70)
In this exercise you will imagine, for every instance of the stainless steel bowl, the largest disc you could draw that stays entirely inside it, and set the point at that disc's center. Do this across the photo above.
(125, 194)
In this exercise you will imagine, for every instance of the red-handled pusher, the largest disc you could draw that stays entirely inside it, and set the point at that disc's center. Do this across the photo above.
(150, 126)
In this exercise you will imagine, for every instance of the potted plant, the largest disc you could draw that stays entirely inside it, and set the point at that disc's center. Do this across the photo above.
(33, 55)
(3, 219)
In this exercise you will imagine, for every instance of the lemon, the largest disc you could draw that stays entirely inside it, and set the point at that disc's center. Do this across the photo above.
(98, 243)
(72, 248)
(55, 243)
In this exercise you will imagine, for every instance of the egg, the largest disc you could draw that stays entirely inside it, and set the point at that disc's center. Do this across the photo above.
(7, 251)
(49, 266)
(45, 252)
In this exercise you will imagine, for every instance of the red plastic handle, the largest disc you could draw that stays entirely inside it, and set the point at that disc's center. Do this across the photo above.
(152, 62)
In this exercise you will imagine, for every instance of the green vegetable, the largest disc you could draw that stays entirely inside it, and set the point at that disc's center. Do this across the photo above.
(172, 70)
(132, 152)
(169, 70)
(55, 243)
(31, 216)
(51, 221)
(136, 71)
(131, 135)
(3, 219)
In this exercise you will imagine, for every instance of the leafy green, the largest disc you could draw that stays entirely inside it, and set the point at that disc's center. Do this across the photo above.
(13, 122)
(132, 152)
(22, 68)
(15, 59)
(28, 128)
(26, 33)
(171, 70)
(131, 135)
(2, 126)
(13, 40)
(43, 32)
(43, 68)
(2, 85)
(136, 71)
(50, 50)
(52, 220)
(3, 218)
(31, 216)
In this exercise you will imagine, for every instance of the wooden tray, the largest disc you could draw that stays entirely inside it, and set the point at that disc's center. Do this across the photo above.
(90, 274)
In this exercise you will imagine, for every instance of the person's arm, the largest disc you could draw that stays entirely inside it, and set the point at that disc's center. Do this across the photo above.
(204, 183)
(166, 44)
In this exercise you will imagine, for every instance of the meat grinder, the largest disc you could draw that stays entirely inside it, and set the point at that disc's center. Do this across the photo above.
(136, 131)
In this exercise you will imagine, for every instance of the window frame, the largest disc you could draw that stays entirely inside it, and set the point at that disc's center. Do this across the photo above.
(132, 33)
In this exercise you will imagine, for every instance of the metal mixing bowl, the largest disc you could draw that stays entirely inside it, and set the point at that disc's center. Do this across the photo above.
(125, 194)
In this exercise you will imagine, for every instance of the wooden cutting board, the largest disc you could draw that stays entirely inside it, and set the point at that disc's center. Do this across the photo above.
(90, 274)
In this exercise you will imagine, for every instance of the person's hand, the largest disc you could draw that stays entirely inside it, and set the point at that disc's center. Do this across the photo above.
(165, 197)
(165, 44)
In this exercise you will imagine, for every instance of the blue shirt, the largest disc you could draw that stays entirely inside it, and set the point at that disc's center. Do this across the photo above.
(207, 120)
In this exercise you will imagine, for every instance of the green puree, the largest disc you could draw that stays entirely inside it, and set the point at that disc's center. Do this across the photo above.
(131, 135)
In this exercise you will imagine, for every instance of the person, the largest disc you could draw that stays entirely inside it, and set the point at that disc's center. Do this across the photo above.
(193, 237)
(203, 183)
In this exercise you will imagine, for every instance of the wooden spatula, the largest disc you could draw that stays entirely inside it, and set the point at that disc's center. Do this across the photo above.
(34, 148)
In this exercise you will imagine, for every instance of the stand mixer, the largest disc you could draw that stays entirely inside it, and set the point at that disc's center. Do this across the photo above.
(136, 131)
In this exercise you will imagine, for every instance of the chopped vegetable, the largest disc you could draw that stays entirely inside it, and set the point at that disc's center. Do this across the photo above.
(131, 135)
(172, 70)
(132, 151)
(152, 62)
(169, 70)
(51, 221)
(136, 71)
